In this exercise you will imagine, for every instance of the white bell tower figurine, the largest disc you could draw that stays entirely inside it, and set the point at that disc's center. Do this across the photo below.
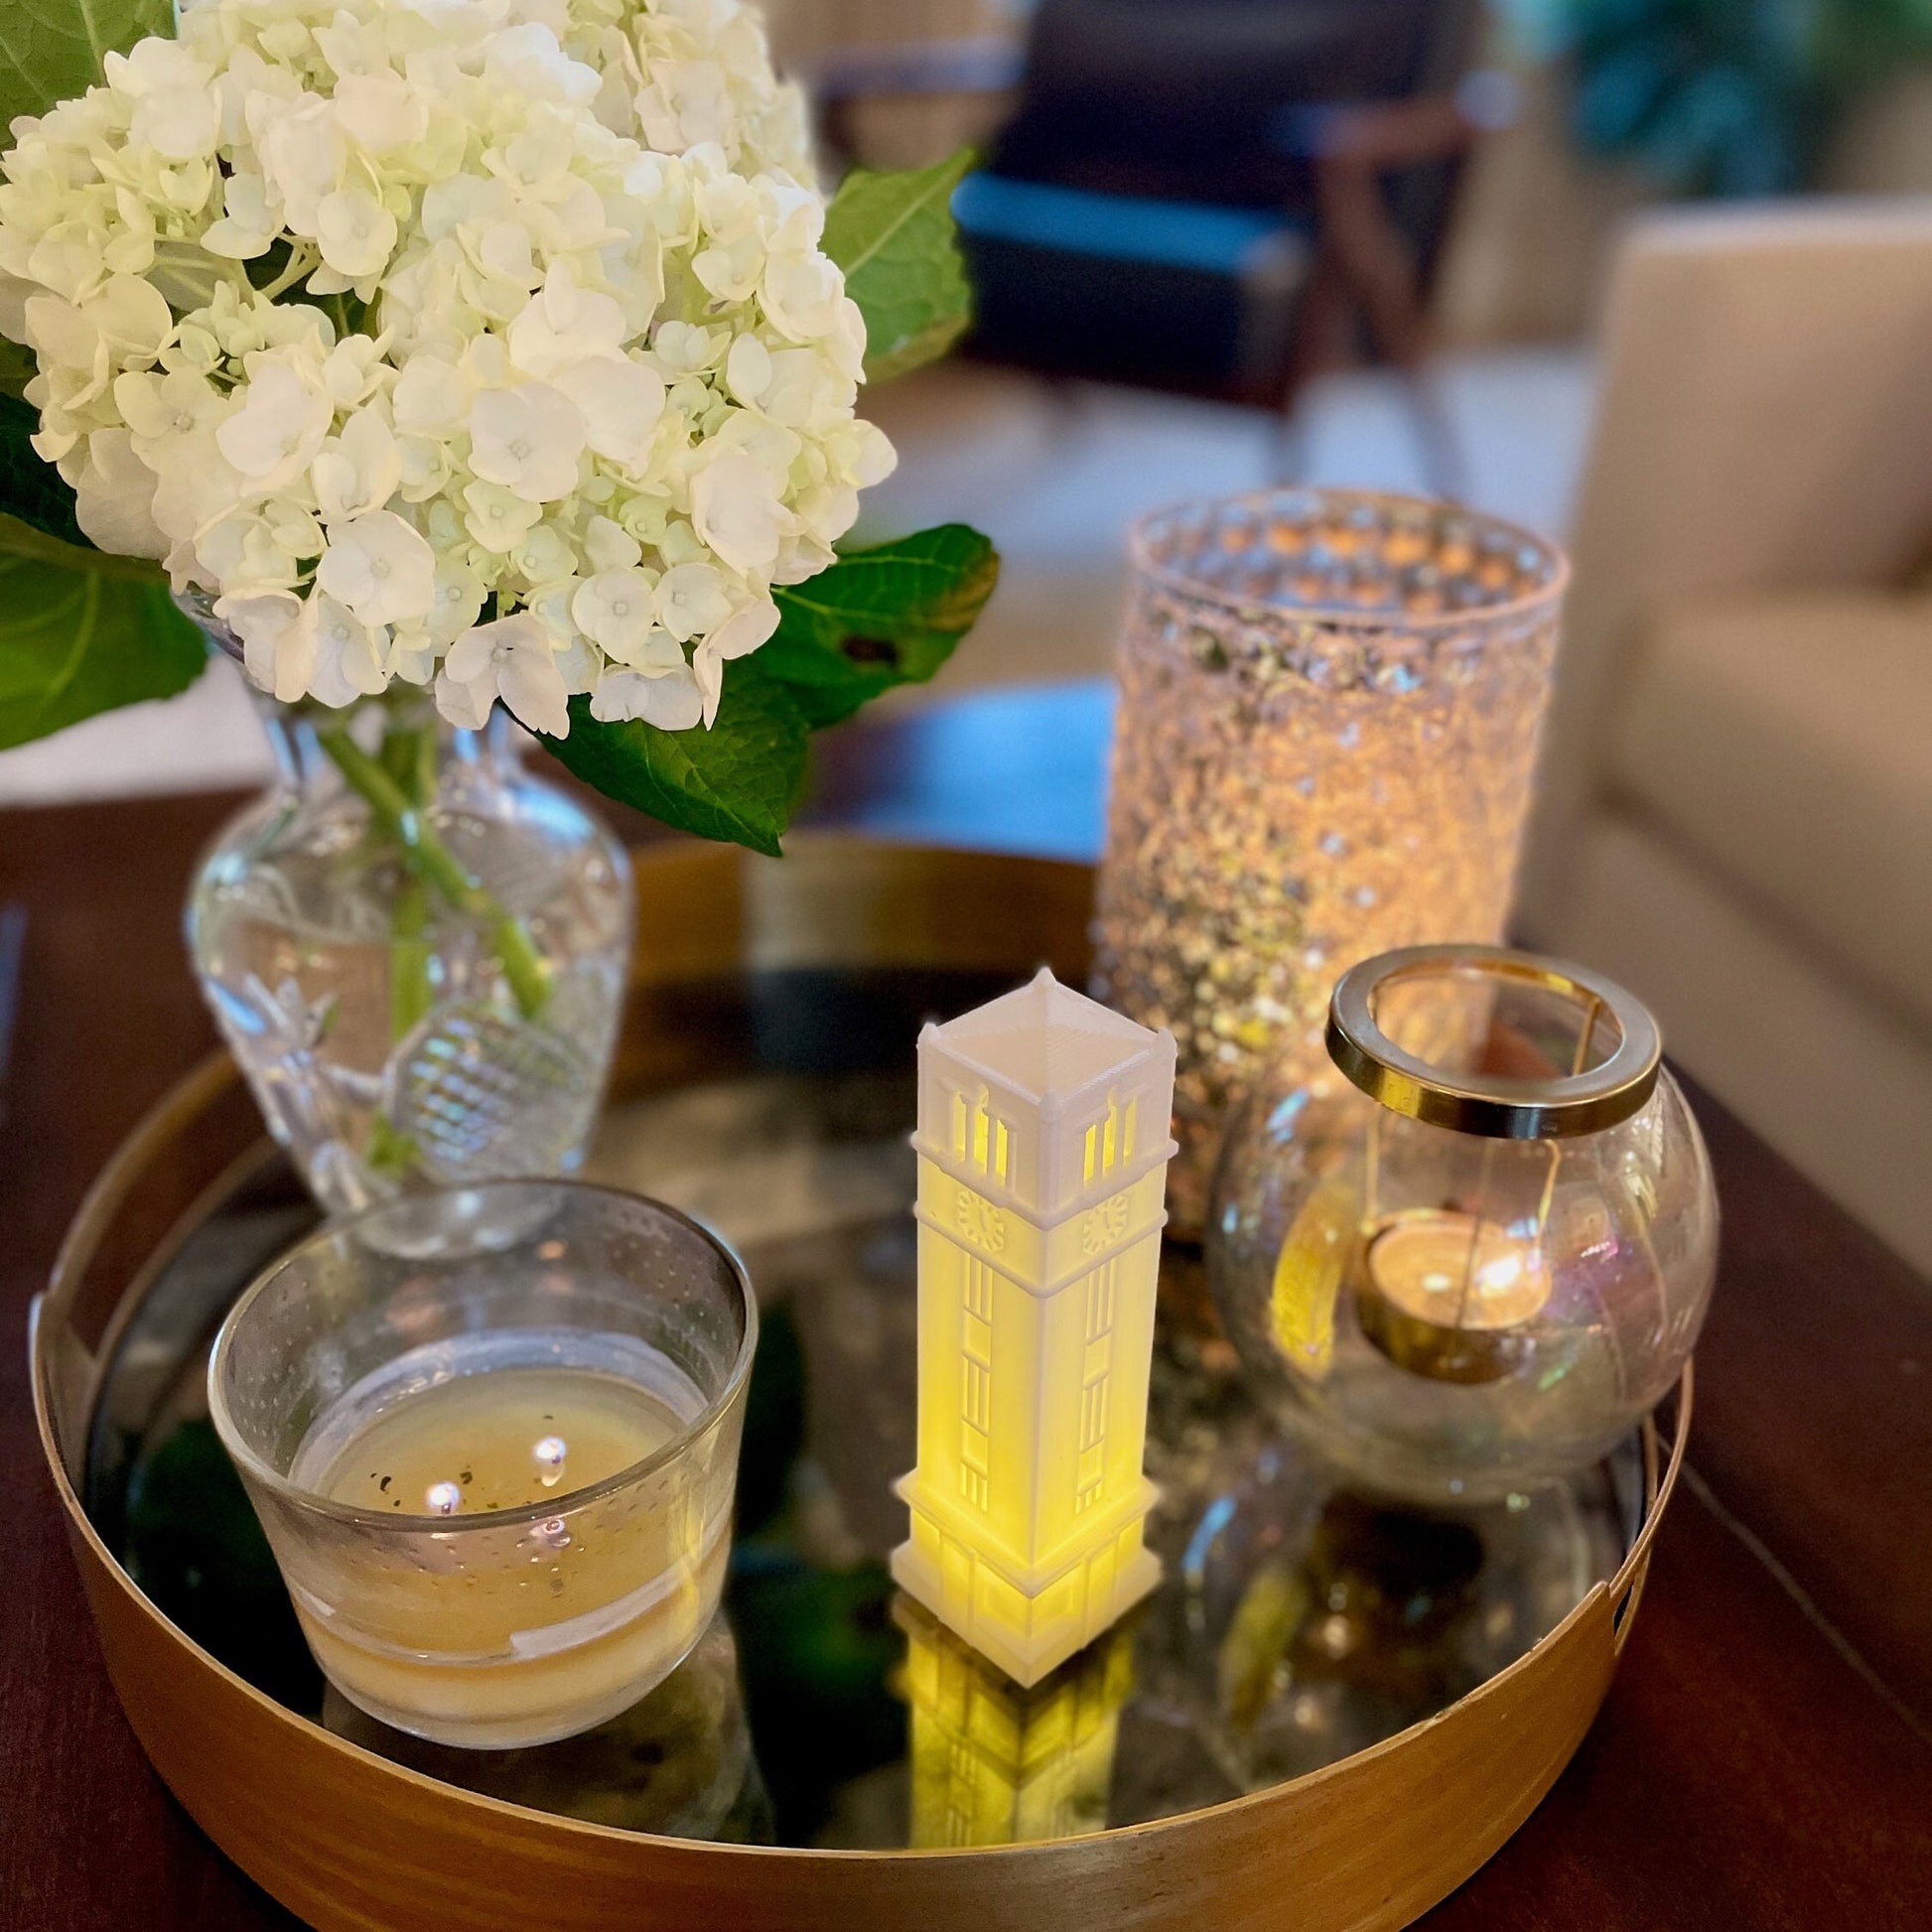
(1043, 1151)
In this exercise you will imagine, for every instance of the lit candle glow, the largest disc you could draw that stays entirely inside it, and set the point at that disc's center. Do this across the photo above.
(1044, 1150)
(1446, 1294)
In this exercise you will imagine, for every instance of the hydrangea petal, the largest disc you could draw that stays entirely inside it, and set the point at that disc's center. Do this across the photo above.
(379, 568)
(671, 702)
(735, 509)
(621, 403)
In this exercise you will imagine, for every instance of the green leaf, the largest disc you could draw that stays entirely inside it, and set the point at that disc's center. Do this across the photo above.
(51, 50)
(16, 368)
(30, 489)
(80, 632)
(894, 235)
(736, 781)
(936, 339)
(876, 617)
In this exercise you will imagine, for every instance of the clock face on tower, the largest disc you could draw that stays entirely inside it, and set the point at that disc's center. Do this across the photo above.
(1043, 1146)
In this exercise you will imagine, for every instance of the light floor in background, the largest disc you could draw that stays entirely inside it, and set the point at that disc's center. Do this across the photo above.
(1054, 474)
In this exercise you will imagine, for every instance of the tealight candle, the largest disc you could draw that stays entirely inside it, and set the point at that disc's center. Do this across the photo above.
(1446, 1294)
(497, 1479)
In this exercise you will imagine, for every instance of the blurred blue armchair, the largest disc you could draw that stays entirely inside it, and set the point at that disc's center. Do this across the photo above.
(1214, 197)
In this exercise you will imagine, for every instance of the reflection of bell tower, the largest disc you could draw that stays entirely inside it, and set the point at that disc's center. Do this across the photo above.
(995, 1764)
(1043, 1148)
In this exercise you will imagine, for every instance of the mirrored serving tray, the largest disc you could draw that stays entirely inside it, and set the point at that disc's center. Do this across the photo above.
(767, 1085)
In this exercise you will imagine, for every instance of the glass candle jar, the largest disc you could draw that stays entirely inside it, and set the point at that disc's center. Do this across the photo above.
(1478, 1251)
(1329, 702)
(492, 1438)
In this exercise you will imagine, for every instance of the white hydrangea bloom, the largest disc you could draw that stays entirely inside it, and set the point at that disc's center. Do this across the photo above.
(484, 344)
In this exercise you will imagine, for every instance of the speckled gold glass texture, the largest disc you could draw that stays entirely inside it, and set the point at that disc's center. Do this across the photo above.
(1328, 713)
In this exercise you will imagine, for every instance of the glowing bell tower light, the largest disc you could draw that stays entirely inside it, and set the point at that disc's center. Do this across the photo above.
(1043, 1151)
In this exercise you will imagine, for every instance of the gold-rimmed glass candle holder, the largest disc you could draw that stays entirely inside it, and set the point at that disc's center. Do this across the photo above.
(1329, 704)
(493, 1436)
(1478, 1255)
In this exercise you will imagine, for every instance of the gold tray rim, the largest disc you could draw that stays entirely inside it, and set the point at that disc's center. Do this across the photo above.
(1590, 1639)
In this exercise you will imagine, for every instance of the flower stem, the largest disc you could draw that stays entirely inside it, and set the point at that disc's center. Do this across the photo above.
(302, 261)
(410, 992)
(408, 754)
(431, 860)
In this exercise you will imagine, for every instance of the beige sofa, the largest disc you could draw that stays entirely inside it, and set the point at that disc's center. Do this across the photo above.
(1737, 813)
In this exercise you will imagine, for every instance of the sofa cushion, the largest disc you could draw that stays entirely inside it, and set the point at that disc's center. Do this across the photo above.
(1787, 740)
(1838, 1083)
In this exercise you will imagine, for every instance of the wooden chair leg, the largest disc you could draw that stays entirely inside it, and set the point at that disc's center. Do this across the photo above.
(1318, 341)
(1378, 274)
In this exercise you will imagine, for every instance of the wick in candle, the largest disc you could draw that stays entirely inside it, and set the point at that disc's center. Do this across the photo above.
(1459, 1272)
(1453, 1297)
(549, 1451)
(444, 1498)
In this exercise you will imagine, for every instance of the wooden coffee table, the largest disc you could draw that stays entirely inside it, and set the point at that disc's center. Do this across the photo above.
(1764, 1758)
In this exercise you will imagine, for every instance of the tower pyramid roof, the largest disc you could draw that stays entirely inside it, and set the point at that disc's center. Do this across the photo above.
(1046, 1040)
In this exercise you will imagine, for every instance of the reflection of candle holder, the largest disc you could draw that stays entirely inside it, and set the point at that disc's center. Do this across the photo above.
(1044, 1148)
(498, 1475)
(1376, 1600)
(995, 1764)
(1317, 1621)
(677, 1763)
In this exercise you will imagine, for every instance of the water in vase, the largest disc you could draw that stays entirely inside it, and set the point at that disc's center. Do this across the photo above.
(397, 1027)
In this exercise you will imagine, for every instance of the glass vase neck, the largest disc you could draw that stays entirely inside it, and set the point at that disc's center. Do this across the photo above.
(393, 729)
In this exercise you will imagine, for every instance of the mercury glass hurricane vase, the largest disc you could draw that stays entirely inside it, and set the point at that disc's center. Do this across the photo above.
(416, 950)
(1329, 705)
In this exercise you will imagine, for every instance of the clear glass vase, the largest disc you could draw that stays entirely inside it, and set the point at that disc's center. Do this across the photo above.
(1329, 702)
(416, 951)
